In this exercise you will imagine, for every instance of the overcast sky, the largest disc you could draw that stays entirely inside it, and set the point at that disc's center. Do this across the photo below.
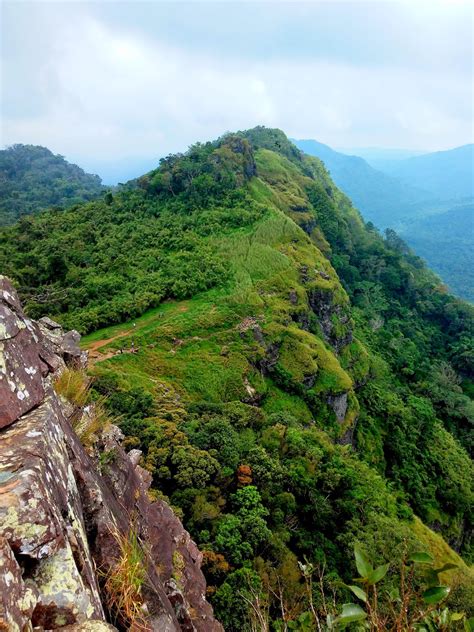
(111, 81)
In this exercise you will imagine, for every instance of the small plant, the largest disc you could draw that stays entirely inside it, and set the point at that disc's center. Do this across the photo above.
(95, 419)
(410, 606)
(73, 385)
(413, 604)
(106, 458)
(124, 582)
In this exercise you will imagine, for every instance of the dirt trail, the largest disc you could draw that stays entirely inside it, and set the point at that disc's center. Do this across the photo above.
(101, 343)
(93, 349)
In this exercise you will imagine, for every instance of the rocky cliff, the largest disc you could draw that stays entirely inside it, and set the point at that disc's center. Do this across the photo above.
(82, 546)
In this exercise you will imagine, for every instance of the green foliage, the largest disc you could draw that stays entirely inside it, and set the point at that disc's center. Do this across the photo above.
(32, 179)
(444, 240)
(240, 534)
(408, 605)
(110, 260)
(304, 388)
(230, 603)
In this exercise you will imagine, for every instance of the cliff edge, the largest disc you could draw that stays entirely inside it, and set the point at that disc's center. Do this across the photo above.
(82, 546)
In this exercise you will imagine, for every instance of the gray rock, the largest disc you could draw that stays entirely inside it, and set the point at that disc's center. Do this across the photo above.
(21, 368)
(134, 457)
(339, 405)
(48, 323)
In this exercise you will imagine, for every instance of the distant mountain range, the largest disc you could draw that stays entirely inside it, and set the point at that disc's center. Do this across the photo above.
(380, 158)
(428, 199)
(32, 178)
(446, 174)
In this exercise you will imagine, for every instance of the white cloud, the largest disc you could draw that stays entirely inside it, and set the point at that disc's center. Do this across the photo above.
(112, 93)
(89, 87)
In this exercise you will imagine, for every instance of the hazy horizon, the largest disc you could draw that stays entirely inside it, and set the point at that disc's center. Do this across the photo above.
(110, 81)
(121, 169)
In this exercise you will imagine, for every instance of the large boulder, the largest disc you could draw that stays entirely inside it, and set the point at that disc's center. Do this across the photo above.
(41, 519)
(29, 351)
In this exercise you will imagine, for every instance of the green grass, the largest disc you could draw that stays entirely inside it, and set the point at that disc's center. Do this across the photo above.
(278, 401)
(195, 347)
(151, 317)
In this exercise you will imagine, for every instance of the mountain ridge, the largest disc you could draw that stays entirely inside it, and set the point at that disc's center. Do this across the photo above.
(295, 382)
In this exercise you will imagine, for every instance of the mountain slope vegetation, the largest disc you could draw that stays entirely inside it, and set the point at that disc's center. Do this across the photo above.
(383, 199)
(32, 178)
(446, 241)
(296, 382)
(409, 202)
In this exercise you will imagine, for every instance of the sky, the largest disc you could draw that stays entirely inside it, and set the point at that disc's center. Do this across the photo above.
(123, 83)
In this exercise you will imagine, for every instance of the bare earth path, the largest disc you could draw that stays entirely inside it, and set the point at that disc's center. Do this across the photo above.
(96, 356)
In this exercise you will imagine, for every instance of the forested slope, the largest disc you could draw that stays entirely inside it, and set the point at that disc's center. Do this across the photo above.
(446, 241)
(383, 199)
(32, 178)
(296, 382)
(427, 199)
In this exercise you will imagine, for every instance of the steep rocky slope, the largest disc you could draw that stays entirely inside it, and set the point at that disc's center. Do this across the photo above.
(63, 521)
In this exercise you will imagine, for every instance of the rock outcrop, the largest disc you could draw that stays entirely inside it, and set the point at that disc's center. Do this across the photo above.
(334, 319)
(63, 518)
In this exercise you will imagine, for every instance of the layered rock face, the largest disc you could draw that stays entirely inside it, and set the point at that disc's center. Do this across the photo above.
(63, 519)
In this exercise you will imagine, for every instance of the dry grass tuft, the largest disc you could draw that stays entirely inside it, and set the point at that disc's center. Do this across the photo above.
(93, 422)
(73, 385)
(124, 583)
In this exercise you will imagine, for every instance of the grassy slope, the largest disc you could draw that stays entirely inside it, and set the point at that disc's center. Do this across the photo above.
(204, 348)
(195, 346)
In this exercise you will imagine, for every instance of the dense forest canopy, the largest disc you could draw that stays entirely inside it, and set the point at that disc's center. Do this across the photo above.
(32, 178)
(297, 382)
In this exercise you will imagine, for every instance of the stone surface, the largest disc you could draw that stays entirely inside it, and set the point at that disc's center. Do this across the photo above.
(41, 517)
(48, 323)
(334, 319)
(174, 562)
(21, 384)
(17, 598)
(339, 405)
(70, 345)
(93, 625)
